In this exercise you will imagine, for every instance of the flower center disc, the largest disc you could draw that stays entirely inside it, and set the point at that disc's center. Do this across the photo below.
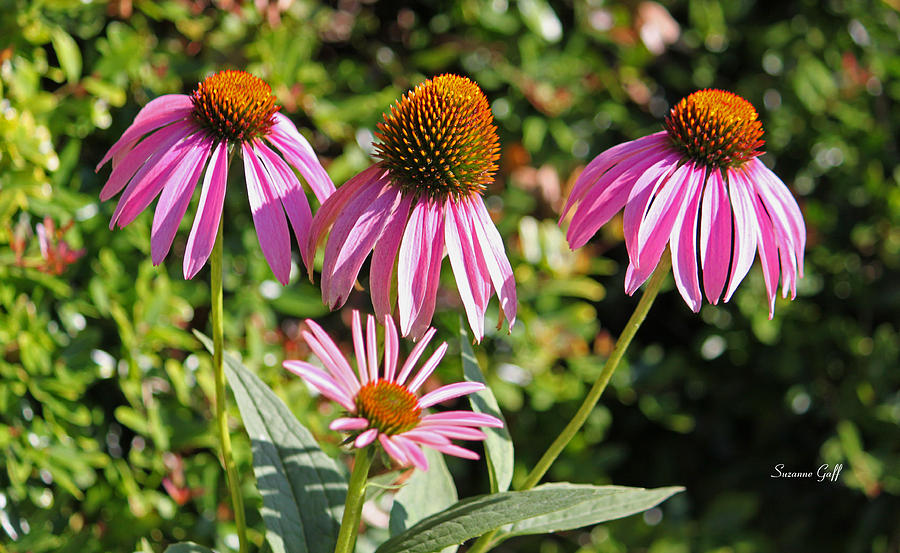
(234, 106)
(439, 139)
(388, 406)
(715, 128)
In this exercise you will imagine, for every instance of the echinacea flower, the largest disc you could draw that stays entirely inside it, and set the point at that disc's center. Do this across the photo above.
(167, 147)
(699, 187)
(382, 403)
(438, 150)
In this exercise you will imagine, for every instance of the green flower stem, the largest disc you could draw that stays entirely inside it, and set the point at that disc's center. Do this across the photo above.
(485, 542)
(356, 496)
(231, 476)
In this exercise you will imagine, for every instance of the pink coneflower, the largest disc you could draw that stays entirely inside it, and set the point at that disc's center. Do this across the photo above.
(438, 150)
(55, 251)
(699, 187)
(382, 404)
(167, 147)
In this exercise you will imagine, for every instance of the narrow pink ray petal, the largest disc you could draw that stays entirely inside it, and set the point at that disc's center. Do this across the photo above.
(494, 255)
(396, 452)
(268, 217)
(454, 432)
(684, 243)
(419, 266)
(174, 200)
(333, 207)
(149, 181)
(325, 383)
(209, 212)
(639, 199)
(413, 452)
(381, 270)
(366, 438)
(372, 347)
(715, 236)
(289, 191)
(427, 437)
(353, 236)
(448, 392)
(608, 196)
(157, 113)
(348, 423)
(656, 226)
(414, 355)
(329, 349)
(427, 368)
(359, 348)
(761, 173)
(768, 251)
(481, 285)
(143, 159)
(465, 268)
(391, 348)
(745, 229)
(457, 451)
(603, 162)
(464, 418)
(300, 154)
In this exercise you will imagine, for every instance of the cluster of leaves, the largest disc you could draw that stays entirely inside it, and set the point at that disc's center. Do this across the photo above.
(105, 393)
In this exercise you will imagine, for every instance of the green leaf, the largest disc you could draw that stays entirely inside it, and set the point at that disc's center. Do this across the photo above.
(474, 516)
(425, 493)
(68, 54)
(498, 446)
(188, 547)
(303, 490)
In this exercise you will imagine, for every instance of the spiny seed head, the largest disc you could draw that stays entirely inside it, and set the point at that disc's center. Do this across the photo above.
(439, 140)
(234, 106)
(715, 128)
(388, 406)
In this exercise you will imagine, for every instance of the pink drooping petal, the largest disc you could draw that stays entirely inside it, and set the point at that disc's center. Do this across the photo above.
(480, 284)
(300, 154)
(366, 438)
(639, 199)
(608, 196)
(428, 368)
(745, 229)
(463, 261)
(419, 267)
(325, 383)
(779, 190)
(289, 191)
(353, 236)
(427, 437)
(461, 418)
(150, 179)
(656, 226)
(391, 348)
(715, 236)
(174, 200)
(371, 345)
(449, 392)
(333, 207)
(325, 348)
(396, 452)
(144, 160)
(209, 212)
(359, 348)
(348, 423)
(768, 251)
(603, 162)
(157, 113)
(684, 243)
(414, 356)
(454, 432)
(491, 245)
(384, 255)
(268, 217)
(457, 451)
(413, 452)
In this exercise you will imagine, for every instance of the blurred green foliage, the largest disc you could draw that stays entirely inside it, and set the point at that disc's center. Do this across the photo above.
(105, 394)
